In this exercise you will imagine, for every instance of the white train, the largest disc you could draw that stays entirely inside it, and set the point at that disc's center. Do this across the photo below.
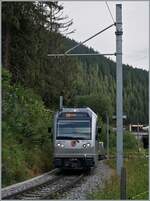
(75, 138)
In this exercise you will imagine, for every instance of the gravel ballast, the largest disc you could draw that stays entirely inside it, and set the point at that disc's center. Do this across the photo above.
(91, 183)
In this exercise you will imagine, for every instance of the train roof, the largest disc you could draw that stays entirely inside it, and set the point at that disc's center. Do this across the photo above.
(85, 109)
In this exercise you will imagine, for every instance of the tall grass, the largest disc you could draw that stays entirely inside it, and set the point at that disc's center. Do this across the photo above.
(136, 164)
(137, 182)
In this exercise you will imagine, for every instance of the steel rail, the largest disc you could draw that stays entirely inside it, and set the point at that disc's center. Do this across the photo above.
(50, 190)
(16, 189)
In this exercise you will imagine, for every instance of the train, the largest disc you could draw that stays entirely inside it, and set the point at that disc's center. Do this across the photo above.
(75, 139)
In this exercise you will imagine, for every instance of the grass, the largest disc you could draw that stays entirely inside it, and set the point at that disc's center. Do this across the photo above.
(137, 180)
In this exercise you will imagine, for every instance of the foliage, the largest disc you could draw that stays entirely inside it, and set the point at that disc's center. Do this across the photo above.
(137, 182)
(31, 30)
(130, 143)
(26, 144)
(137, 178)
(136, 165)
(99, 104)
(135, 95)
(109, 192)
(98, 75)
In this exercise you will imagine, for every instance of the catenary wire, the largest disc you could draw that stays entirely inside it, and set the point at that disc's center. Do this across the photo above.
(110, 12)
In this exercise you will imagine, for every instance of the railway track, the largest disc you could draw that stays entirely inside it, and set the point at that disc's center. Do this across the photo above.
(48, 186)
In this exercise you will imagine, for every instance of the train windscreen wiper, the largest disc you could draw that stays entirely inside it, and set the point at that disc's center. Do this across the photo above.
(71, 138)
(65, 137)
(81, 138)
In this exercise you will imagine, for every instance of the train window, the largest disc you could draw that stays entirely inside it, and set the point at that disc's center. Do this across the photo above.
(74, 129)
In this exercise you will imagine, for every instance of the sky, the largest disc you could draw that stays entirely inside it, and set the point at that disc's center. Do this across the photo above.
(90, 17)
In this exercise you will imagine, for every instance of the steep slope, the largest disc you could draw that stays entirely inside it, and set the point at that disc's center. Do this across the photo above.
(103, 71)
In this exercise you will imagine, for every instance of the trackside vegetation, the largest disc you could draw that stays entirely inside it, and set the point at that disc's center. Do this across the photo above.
(26, 143)
(137, 182)
(137, 166)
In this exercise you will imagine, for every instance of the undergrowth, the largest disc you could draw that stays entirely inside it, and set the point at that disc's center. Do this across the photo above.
(137, 182)
(26, 143)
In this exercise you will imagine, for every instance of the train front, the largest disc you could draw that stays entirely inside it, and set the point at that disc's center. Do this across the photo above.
(74, 146)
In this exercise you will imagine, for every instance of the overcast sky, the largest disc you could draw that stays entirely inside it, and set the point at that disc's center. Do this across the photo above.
(89, 17)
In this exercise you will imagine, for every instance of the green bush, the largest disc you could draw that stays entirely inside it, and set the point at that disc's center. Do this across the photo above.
(26, 143)
(130, 142)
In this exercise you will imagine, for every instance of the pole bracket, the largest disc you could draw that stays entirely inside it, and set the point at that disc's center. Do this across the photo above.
(117, 53)
(119, 33)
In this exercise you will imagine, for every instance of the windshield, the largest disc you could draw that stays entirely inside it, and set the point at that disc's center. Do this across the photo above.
(74, 129)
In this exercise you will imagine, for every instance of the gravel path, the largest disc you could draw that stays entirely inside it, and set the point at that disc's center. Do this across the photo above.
(92, 181)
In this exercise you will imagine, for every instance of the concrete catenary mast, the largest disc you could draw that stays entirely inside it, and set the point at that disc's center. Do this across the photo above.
(119, 82)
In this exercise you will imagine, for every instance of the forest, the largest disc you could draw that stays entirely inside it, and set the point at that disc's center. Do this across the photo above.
(32, 83)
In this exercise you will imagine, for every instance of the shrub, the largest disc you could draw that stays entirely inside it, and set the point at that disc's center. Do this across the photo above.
(26, 145)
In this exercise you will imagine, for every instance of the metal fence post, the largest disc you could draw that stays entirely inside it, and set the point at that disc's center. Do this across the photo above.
(123, 184)
(107, 128)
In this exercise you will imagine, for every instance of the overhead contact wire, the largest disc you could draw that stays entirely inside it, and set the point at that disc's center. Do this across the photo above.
(110, 12)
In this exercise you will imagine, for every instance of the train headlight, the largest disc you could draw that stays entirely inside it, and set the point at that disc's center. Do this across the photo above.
(60, 145)
(88, 144)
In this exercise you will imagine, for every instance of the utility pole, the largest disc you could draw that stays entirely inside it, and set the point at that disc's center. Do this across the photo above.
(107, 131)
(119, 101)
(61, 102)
